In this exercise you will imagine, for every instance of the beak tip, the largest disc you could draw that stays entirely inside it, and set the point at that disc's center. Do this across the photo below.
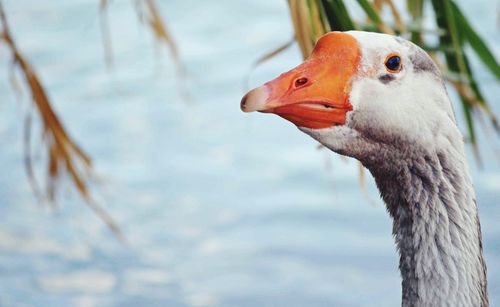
(255, 100)
(243, 104)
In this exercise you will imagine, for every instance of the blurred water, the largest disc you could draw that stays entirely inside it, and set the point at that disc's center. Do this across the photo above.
(219, 208)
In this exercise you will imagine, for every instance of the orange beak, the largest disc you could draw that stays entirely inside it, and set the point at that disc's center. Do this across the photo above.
(314, 94)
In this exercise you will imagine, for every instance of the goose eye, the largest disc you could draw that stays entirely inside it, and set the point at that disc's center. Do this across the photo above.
(393, 63)
(300, 81)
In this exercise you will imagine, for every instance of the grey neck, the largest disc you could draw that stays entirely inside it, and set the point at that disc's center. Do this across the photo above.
(436, 226)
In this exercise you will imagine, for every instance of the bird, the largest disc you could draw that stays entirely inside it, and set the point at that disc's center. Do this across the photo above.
(382, 100)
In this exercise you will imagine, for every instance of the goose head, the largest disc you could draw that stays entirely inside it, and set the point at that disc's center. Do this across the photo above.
(381, 100)
(360, 91)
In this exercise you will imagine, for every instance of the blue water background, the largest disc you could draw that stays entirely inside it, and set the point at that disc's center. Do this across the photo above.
(219, 208)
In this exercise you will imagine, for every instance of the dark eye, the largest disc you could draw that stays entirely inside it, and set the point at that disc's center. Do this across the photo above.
(393, 63)
(300, 81)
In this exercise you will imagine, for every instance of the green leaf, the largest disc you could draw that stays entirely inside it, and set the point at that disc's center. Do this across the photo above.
(323, 16)
(416, 8)
(337, 15)
(476, 42)
(469, 121)
(470, 128)
(455, 58)
(372, 14)
(455, 36)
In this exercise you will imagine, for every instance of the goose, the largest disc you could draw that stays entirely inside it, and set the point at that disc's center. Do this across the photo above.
(381, 99)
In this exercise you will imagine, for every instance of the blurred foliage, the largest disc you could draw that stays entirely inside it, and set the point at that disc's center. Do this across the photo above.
(312, 18)
(64, 157)
(148, 14)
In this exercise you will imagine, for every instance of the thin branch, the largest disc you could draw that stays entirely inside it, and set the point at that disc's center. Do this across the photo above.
(64, 155)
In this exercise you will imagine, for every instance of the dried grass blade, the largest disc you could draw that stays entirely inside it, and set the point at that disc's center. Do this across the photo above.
(316, 21)
(274, 52)
(62, 150)
(267, 56)
(155, 22)
(374, 16)
(106, 32)
(28, 160)
(397, 16)
(298, 12)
